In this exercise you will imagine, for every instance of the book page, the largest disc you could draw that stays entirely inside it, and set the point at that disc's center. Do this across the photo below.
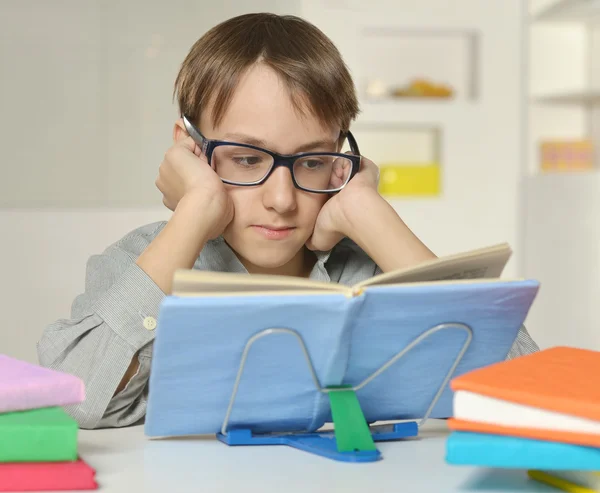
(198, 283)
(476, 264)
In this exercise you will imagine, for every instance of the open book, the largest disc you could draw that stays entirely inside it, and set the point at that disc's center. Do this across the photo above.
(476, 264)
(207, 324)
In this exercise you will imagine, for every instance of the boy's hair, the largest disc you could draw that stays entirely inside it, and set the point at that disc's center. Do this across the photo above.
(304, 58)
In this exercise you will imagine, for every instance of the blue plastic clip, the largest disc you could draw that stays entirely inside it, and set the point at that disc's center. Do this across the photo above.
(323, 443)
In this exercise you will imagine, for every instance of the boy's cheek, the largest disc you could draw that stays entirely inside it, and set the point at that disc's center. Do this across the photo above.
(240, 202)
(315, 207)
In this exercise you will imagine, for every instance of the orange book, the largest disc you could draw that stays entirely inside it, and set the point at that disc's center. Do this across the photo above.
(549, 395)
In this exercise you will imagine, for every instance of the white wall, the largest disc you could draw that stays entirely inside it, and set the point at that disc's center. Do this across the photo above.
(563, 254)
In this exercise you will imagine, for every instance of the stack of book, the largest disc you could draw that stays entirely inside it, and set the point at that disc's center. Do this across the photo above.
(38, 439)
(539, 413)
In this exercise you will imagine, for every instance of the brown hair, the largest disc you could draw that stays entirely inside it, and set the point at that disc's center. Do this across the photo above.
(306, 60)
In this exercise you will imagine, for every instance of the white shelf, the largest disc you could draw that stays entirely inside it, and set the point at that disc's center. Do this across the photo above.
(584, 11)
(562, 178)
(416, 112)
(585, 97)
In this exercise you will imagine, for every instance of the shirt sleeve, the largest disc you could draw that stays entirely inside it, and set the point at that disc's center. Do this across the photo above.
(523, 345)
(104, 333)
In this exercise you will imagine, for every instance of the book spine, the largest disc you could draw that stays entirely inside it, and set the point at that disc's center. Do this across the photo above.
(38, 444)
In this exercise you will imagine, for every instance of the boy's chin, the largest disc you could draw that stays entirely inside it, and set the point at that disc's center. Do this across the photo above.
(277, 257)
(276, 260)
(264, 254)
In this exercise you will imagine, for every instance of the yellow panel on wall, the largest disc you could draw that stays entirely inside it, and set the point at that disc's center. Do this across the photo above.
(410, 180)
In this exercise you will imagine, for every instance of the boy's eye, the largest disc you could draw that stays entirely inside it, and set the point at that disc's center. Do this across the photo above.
(246, 160)
(312, 163)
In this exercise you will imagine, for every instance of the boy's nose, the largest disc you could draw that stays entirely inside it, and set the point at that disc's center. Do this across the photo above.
(279, 192)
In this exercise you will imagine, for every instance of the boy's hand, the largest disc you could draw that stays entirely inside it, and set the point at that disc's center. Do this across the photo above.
(184, 172)
(334, 220)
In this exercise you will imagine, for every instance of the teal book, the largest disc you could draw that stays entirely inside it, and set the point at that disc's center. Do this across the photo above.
(211, 322)
(503, 451)
(38, 435)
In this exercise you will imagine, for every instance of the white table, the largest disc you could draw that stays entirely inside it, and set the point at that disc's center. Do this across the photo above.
(128, 462)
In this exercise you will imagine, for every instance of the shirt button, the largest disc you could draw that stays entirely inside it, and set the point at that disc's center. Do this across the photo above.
(150, 323)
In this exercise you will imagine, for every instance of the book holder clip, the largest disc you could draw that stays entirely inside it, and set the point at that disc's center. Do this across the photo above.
(352, 439)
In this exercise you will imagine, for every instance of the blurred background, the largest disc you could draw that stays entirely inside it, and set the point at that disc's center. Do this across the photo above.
(482, 115)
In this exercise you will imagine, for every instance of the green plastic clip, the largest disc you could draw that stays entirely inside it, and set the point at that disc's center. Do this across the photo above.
(352, 433)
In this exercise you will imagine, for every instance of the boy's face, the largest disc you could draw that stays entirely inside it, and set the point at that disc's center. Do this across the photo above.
(272, 221)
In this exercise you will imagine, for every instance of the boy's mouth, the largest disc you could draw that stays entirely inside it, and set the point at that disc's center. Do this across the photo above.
(273, 232)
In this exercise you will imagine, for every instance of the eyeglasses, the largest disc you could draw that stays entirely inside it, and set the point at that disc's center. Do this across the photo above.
(248, 165)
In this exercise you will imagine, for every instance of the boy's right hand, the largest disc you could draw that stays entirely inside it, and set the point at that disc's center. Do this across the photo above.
(184, 172)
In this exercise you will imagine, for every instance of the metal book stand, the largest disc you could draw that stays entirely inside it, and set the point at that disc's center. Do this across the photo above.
(328, 443)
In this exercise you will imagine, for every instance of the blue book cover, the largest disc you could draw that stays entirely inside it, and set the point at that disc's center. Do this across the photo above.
(499, 451)
(200, 341)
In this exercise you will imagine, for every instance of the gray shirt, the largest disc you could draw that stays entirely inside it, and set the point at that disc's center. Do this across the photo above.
(107, 327)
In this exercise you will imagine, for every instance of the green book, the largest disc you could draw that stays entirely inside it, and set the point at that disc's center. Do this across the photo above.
(39, 435)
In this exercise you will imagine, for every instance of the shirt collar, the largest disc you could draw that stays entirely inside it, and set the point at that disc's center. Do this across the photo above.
(323, 257)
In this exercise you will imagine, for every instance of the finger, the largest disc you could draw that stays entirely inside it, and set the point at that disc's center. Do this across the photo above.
(188, 143)
(339, 166)
(197, 150)
(323, 240)
(191, 145)
(350, 153)
(167, 203)
(366, 163)
(336, 181)
(338, 172)
(310, 245)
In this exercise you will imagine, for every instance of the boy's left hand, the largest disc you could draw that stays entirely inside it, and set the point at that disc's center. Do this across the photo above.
(333, 221)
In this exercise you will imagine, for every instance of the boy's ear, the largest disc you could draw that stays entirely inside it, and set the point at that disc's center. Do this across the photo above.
(179, 131)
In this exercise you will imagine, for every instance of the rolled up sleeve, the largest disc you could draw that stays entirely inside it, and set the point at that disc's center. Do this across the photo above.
(523, 345)
(105, 332)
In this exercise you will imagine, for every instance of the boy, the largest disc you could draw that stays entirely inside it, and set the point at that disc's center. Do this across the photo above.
(252, 92)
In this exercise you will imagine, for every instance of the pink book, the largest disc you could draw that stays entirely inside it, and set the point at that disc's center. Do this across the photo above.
(26, 386)
(44, 476)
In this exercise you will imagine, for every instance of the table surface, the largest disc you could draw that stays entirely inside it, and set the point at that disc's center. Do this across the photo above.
(127, 461)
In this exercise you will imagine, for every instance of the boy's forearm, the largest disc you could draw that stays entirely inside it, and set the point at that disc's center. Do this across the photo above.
(177, 246)
(374, 225)
(179, 243)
